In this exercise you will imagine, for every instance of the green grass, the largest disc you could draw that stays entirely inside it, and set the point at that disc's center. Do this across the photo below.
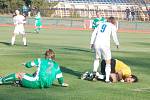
(73, 54)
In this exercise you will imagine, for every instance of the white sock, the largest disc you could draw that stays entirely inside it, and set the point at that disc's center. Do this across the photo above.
(100, 76)
(96, 65)
(107, 71)
(24, 41)
(13, 40)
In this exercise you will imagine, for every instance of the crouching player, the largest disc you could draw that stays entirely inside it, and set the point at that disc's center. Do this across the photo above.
(119, 72)
(47, 71)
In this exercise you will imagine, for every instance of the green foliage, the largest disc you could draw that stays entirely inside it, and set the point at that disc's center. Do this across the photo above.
(28, 2)
(3, 6)
(44, 6)
(8, 6)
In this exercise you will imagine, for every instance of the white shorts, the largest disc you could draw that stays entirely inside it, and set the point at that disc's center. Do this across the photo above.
(103, 52)
(19, 29)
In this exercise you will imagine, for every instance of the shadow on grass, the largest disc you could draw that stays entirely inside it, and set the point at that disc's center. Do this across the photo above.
(76, 49)
(5, 43)
(9, 44)
(30, 32)
(138, 62)
(70, 71)
(142, 43)
(57, 85)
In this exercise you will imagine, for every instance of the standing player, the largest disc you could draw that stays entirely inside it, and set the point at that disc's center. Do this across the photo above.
(99, 18)
(19, 21)
(47, 71)
(100, 41)
(38, 23)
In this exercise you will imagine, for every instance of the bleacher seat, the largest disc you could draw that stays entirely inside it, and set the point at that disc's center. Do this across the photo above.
(100, 1)
(122, 2)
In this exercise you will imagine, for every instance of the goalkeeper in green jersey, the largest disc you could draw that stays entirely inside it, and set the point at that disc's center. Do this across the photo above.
(99, 18)
(47, 71)
(38, 23)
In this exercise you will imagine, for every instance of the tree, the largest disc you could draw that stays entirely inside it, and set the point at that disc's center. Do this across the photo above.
(27, 2)
(43, 6)
(7, 6)
(3, 6)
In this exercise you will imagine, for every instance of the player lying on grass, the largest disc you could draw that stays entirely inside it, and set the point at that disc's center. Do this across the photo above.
(119, 72)
(47, 71)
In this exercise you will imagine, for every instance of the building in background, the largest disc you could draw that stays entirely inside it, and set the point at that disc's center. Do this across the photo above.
(88, 8)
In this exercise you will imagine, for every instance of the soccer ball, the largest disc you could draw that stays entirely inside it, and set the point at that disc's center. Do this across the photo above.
(85, 75)
(90, 76)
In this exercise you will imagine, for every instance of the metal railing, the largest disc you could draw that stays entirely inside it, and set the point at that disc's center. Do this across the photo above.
(77, 23)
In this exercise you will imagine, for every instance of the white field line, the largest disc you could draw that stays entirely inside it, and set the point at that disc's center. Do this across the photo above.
(6, 54)
(142, 89)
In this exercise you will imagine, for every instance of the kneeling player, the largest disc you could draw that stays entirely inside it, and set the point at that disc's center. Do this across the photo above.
(119, 72)
(47, 71)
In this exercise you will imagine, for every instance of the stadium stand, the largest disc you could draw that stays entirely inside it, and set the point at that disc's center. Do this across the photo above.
(88, 8)
(124, 2)
(100, 1)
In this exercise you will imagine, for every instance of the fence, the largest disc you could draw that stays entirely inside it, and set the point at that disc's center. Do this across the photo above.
(79, 23)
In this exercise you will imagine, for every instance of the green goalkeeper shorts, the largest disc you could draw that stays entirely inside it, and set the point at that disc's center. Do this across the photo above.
(29, 81)
(38, 24)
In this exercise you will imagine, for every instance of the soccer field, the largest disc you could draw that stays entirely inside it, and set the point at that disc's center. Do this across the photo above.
(75, 57)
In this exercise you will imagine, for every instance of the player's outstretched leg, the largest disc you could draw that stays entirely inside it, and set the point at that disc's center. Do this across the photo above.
(11, 78)
(8, 79)
(1, 80)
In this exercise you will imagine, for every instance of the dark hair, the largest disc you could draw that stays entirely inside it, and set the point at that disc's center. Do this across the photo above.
(112, 20)
(50, 54)
(97, 12)
(135, 78)
(14, 14)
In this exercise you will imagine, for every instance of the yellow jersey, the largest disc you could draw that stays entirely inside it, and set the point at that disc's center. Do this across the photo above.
(122, 67)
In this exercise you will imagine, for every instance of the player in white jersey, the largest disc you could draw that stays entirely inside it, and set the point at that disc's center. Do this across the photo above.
(19, 21)
(100, 41)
